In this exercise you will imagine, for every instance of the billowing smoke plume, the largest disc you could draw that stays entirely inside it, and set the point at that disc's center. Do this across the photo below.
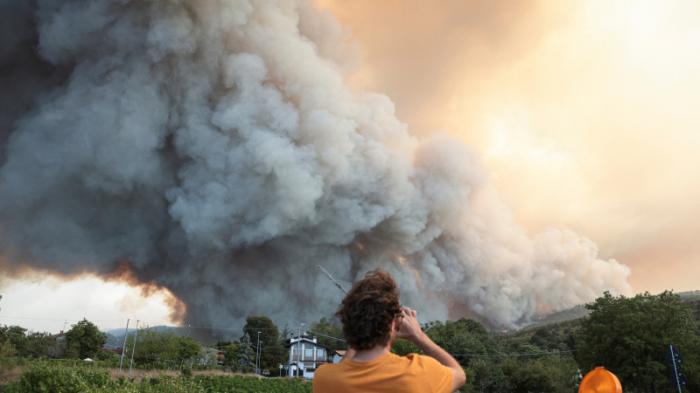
(213, 147)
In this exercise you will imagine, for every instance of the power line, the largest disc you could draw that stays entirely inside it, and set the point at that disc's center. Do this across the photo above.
(327, 336)
(513, 354)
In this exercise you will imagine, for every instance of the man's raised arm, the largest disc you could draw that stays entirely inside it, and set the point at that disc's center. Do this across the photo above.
(410, 329)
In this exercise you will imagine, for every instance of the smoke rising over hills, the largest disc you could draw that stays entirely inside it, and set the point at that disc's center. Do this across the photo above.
(213, 148)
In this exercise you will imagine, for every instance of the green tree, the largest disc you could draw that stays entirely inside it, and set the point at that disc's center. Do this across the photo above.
(549, 374)
(325, 331)
(245, 355)
(556, 337)
(486, 376)
(461, 338)
(404, 347)
(187, 347)
(231, 355)
(108, 357)
(272, 351)
(630, 337)
(7, 350)
(529, 377)
(15, 335)
(84, 339)
(39, 345)
(163, 349)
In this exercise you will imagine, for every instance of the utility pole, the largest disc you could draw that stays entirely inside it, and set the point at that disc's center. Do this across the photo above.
(678, 379)
(300, 352)
(257, 356)
(126, 334)
(133, 348)
(260, 362)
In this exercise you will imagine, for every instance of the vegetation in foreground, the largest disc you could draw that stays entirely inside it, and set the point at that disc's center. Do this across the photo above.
(58, 378)
(629, 336)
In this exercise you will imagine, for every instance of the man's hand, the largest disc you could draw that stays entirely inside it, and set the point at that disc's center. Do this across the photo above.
(409, 328)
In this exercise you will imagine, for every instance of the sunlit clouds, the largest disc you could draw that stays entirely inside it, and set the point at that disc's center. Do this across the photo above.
(584, 112)
(42, 303)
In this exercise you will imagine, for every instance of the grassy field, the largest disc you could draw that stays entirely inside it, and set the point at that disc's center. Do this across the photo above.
(44, 376)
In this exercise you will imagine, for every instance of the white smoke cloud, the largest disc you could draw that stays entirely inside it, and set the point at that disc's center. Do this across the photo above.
(214, 146)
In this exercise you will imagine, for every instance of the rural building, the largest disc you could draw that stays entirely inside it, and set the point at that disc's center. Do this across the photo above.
(306, 355)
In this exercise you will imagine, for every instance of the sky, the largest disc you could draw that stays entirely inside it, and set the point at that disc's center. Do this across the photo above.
(584, 114)
(45, 303)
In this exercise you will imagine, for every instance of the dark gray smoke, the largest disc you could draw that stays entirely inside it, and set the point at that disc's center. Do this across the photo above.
(214, 147)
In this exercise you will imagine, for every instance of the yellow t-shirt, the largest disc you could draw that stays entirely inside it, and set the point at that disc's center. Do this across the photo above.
(387, 373)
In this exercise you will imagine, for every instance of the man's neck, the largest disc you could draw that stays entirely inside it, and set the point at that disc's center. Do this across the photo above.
(366, 355)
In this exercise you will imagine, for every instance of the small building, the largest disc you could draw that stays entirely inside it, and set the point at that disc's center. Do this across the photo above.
(305, 356)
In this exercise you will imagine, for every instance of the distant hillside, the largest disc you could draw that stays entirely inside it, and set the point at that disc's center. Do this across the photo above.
(119, 332)
(557, 331)
(570, 314)
(115, 337)
(580, 311)
(690, 296)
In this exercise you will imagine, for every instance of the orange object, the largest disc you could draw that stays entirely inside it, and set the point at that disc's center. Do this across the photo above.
(600, 380)
(388, 373)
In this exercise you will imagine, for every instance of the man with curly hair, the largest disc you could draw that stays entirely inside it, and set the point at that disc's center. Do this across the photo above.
(372, 319)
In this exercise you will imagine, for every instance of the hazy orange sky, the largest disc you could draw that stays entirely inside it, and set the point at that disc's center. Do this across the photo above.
(585, 113)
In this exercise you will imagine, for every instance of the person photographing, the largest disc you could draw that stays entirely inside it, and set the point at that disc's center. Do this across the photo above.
(373, 319)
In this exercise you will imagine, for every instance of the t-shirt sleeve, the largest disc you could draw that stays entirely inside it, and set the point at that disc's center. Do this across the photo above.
(439, 377)
(320, 381)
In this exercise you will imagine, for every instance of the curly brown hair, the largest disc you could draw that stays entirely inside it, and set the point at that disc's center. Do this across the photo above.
(368, 310)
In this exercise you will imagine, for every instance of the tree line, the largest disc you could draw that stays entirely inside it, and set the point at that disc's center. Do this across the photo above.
(627, 335)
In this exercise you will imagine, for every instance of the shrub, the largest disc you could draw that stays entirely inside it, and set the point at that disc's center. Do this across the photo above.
(42, 378)
(63, 378)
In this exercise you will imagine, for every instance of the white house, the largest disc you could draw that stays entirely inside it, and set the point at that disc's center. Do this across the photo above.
(305, 356)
